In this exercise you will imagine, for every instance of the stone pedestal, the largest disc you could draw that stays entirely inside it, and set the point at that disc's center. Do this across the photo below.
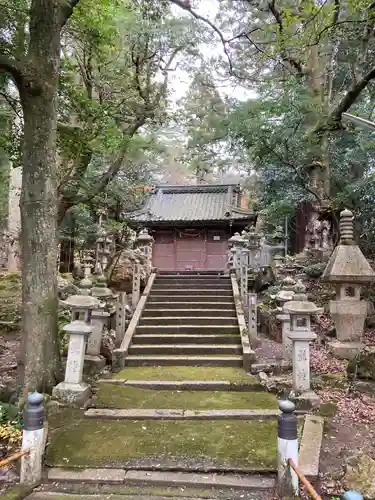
(301, 360)
(73, 391)
(94, 361)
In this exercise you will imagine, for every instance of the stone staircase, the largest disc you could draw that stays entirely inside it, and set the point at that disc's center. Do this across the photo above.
(189, 319)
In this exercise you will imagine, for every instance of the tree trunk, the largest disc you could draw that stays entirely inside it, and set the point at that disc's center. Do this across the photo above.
(39, 360)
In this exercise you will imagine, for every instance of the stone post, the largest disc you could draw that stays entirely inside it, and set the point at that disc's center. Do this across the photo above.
(285, 295)
(144, 242)
(136, 284)
(287, 447)
(253, 320)
(33, 439)
(244, 277)
(253, 239)
(348, 269)
(301, 310)
(120, 317)
(73, 391)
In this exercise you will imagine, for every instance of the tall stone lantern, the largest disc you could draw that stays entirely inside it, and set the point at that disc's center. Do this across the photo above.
(237, 243)
(144, 242)
(348, 269)
(301, 310)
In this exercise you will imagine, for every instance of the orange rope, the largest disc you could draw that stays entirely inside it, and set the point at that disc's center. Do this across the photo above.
(13, 457)
(308, 486)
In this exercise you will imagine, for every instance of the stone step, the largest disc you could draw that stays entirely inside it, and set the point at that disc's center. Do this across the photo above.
(132, 360)
(183, 292)
(185, 339)
(192, 286)
(201, 304)
(196, 313)
(220, 319)
(195, 329)
(187, 385)
(218, 283)
(190, 273)
(180, 414)
(185, 349)
(134, 477)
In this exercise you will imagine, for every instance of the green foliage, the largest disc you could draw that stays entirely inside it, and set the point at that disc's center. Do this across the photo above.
(315, 270)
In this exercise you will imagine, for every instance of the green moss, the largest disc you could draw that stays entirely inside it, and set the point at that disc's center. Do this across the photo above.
(115, 396)
(327, 410)
(17, 492)
(185, 373)
(101, 443)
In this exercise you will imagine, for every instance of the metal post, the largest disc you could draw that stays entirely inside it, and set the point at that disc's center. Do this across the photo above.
(287, 447)
(33, 439)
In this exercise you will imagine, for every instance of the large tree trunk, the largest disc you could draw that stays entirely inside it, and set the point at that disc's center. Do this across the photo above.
(39, 360)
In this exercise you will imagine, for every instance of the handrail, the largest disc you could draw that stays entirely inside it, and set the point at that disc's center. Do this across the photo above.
(308, 486)
(14, 457)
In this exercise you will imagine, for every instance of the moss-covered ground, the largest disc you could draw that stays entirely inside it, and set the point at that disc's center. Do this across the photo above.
(116, 396)
(186, 373)
(75, 441)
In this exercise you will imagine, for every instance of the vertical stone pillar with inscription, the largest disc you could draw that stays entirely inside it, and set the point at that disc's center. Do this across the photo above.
(136, 284)
(120, 317)
(244, 278)
(73, 390)
(301, 310)
(253, 320)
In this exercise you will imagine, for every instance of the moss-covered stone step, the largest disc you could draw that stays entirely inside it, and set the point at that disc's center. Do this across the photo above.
(185, 349)
(169, 360)
(85, 491)
(119, 397)
(166, 414)
(186, 385)
(181, 338)
(186, 373)
(199, 445)
(161, 478)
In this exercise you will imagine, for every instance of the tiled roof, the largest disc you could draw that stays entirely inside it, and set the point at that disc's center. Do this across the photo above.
(191, 203)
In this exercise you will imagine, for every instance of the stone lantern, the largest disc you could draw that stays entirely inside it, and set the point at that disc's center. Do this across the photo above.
(237, 243)
(348, 269)
(253, 243)
(286, 294)
(301, 310)
(73, 390)
(144, 242)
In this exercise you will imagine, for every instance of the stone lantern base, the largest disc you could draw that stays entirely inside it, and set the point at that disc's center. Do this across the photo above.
(349, 318)
(72, 394)
(345, 350)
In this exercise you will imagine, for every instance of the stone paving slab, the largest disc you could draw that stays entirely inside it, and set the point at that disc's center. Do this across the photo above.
(108, 476)
(233, 481)
(179, 414)
(309, 453)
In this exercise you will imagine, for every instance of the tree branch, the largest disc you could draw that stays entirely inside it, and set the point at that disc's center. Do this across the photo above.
(67, 11)
(13, 67)
(334, 118)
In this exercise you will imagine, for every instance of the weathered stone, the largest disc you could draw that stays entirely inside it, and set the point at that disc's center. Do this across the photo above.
(305, 401)
(364, 386)
(345, 350)
(360, 475)
(309, 453)
(107, 476)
